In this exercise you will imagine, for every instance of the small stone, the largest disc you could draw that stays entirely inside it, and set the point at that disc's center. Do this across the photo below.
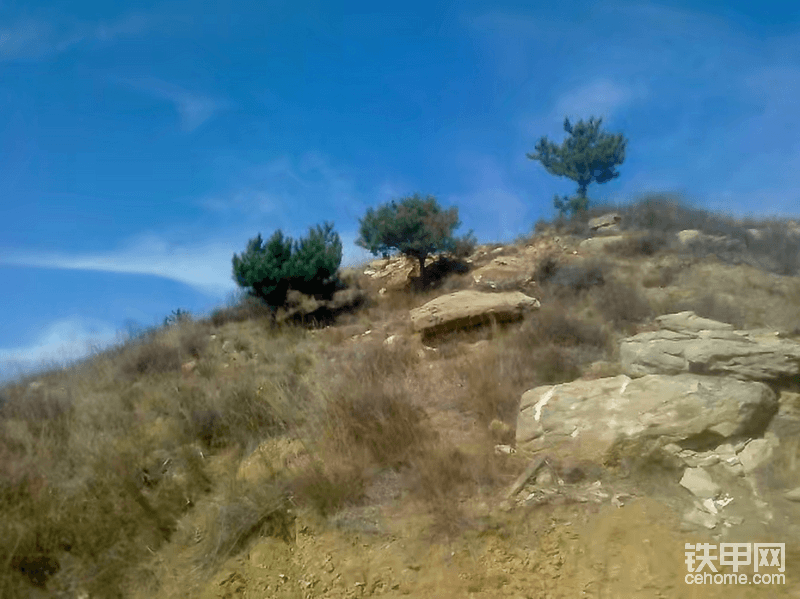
(793, 495)
(699, 483)
(708, 505)
(700, 518)
(734, 468)
(708, 460)
(672, 448)
(724, 450)
(755, 453)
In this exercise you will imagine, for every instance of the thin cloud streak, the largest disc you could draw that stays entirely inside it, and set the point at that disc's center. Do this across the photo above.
(36, 39)
(61, 342)
(193, 108)
(206, 268)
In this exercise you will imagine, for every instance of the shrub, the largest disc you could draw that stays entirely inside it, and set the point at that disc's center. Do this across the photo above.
(154, 357)
(382, 421)
(712, 307)
(553, 365)
(552, 325)
(416, 227)
(309, 266)
(546, 270)
(193, 342)
(328, 487)
(646, 245)
(622, 304)
(177, 316)
(248, 308)
(465, 246)
(574, 279)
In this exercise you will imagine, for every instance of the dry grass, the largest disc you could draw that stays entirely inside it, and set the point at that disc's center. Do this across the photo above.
(104, 464)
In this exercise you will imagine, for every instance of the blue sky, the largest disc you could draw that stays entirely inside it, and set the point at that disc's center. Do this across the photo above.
(143, 143)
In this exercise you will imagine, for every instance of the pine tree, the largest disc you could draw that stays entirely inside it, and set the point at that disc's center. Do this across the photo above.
(586, 156)
(309, 265)
(415, 227)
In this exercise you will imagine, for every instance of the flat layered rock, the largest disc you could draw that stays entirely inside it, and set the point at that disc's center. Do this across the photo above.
(469, 308)
(595, 419)
(606, 222)
(692, 344)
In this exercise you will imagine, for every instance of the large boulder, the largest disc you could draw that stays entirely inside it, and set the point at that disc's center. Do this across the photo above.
(599, 244)
(514, 272)
(715, 243)
(688, 343)
(505, 272)
(605, 224)
(469, 308)
(597, 420)
(395, 272)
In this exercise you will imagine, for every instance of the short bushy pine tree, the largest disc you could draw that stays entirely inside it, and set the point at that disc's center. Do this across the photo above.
(415, 227)
(586, 156)
(309, 265)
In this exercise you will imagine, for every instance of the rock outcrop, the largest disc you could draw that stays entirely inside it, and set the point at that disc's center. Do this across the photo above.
(606, 224)
(468, 308)
(597, 419)
(688, 343)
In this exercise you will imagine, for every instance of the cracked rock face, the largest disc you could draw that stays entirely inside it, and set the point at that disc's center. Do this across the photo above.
(468, 308)
(597, 419)
(688, 343)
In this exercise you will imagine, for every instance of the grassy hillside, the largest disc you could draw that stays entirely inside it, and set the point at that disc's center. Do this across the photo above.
(143, 470)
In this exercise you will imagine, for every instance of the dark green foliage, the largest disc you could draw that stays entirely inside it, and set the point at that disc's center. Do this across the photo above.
(309, 265)
(315, 260)
(416, 227)
(585, 157)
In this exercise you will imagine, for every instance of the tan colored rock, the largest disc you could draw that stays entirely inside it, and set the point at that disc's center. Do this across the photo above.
(597, 244)
(468, 308)
(395, 272)
(606, 222)
(756, 453)
(597, 419)
(699, 482)
(189, 367)
(506, 272)
(718, 350)
(688, 320)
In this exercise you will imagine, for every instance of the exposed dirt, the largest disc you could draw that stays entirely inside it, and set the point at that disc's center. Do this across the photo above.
(564, 551)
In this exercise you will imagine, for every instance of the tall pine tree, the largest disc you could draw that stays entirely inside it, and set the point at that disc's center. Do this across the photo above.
(586, 156)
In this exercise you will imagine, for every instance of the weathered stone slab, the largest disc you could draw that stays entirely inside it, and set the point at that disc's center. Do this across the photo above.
(590, 419)
(716, 350)
(470, 308)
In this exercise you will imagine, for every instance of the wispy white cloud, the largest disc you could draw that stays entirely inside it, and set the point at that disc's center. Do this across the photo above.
(205, 267)
(60, 343)
(193, 108)
(287, 186)
(600, 98)
(39, 38)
